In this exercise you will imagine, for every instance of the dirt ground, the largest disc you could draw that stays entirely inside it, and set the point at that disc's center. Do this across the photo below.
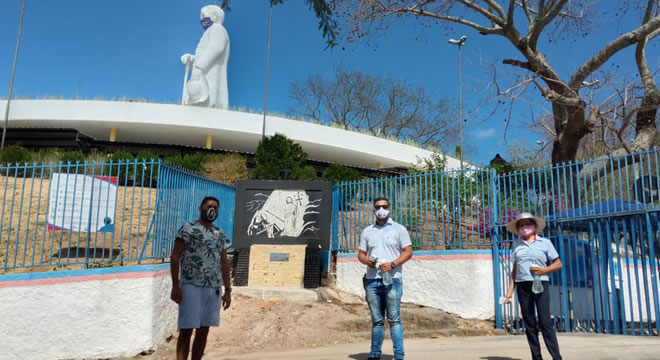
(253, 325)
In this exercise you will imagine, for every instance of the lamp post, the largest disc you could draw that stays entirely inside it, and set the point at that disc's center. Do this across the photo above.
(11, 81)
(460, 42)
(270, 24)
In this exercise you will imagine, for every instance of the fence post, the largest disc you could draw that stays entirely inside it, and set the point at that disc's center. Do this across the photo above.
(334, 221)
(89, 216)
(494, 235)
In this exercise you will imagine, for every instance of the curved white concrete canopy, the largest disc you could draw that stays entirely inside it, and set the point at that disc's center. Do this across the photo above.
(230, 130)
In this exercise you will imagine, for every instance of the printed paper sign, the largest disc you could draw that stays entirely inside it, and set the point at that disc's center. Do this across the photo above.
(82, 203)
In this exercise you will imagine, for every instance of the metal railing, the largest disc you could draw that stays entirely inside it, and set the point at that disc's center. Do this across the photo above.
(443, 210)
(101, 213)
(603, 218)
(179, 196)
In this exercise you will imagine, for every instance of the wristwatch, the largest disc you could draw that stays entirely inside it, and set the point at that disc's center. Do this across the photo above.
(393, 265)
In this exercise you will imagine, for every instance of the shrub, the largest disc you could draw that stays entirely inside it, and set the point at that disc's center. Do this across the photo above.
(122, 167)
(279, 158)
(121, 155)
(72, 156)
(15, 154)
(340, 173)
(150, 169)
(308, 173)
(99, 160)
(227, 169)
(46, 156)
(190, 162)
(69, 159)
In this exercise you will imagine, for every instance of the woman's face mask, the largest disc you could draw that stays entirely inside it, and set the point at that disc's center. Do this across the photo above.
(527, 230)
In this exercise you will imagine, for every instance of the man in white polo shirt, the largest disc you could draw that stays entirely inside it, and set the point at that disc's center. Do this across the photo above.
(389, 242)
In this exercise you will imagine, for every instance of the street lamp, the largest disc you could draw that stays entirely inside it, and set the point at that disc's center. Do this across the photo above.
(270, 24)
(460, 42)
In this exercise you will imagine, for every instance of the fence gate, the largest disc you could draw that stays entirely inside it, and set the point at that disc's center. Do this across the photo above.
(603, 218)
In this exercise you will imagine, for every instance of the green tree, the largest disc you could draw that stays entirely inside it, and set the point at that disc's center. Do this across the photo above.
(339, 173)
(436, 162)
(279, 158)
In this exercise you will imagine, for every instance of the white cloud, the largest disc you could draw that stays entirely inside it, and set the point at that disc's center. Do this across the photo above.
(482, 134)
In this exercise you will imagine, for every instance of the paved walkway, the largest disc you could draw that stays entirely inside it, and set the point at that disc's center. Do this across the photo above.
(573, 346)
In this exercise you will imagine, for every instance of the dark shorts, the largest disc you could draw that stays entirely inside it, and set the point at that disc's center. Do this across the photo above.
(199, 307)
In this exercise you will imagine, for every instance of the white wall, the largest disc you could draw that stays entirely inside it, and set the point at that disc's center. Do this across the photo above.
(96, 313)
(230, 130)
(460, 282)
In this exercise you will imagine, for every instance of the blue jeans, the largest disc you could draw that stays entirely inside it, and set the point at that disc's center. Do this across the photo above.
(383, 298)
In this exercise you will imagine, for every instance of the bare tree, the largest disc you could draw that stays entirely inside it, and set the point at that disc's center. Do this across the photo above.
(522, 23)
(645, 110)
(645, 123)
(379, 105)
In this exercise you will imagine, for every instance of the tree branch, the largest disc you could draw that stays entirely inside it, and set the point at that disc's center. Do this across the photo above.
(611, 48)
(551, 80)
(509, 15)
(497, 7)
(487, 14)
(530, 19)
(542, 20)
(480, 28)
(522, 64)
(640, 52)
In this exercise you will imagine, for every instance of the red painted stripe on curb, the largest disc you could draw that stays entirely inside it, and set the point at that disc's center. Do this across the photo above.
(431, 257)
(75, 279)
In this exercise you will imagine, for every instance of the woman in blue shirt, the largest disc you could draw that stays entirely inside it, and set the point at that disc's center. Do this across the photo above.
(530, 256)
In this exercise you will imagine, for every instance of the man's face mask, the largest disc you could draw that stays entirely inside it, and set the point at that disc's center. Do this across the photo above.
(381, 212)
(206, 23)
(210, 214)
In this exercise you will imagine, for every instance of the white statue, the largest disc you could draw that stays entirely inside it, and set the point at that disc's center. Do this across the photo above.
(207, 85)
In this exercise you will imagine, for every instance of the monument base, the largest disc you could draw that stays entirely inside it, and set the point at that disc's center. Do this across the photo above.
(277, 265)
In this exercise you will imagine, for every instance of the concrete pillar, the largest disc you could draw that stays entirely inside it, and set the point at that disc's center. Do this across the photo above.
(113, 134)
(209, 141)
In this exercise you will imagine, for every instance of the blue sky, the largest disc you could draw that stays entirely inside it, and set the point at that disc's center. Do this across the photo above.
(131, 48)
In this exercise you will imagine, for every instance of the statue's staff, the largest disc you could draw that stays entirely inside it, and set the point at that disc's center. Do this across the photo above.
(185, 80)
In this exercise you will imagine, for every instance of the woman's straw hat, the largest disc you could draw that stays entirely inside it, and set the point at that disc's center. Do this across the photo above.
(513, 225)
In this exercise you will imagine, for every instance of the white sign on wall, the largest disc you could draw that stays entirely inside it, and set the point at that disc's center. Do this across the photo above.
(82, 202)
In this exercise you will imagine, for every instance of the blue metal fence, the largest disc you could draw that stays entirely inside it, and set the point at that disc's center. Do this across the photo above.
(103, 213)
(179, 196)
(602, 216)
(444, 210)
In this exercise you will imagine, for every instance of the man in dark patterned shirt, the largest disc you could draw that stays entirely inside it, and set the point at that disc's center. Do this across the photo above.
(197, 263)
